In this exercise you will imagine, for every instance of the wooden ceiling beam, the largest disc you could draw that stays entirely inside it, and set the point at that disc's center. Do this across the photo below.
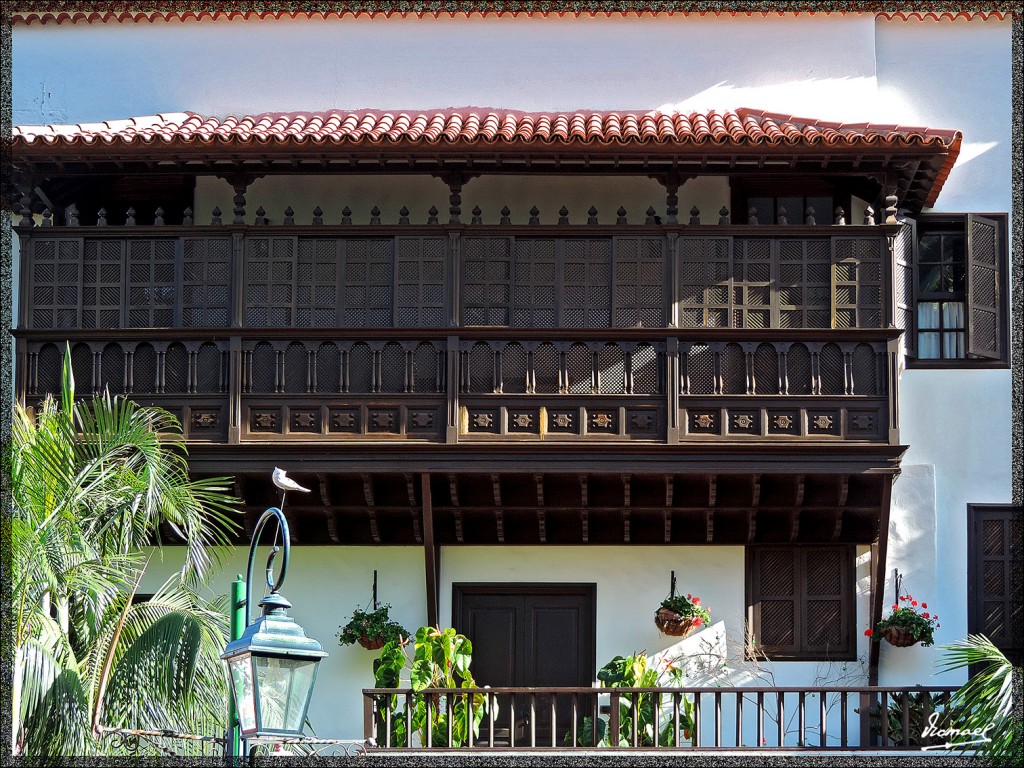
(367, 489)
(499, 521)
(794, 527)
(755, 494)
(453, 488)
(542, 532)
(538, 478)
(667, 518)
(751, 526)
(459, 533)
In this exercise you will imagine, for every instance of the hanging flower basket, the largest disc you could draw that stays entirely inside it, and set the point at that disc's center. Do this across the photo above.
(371, 643)
(900, 637)
(671, 623)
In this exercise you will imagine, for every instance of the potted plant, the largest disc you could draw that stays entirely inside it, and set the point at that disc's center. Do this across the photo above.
(908, 623)
(372, 629)
(679, 616)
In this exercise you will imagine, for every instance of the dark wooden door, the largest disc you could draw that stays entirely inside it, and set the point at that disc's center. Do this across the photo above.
(995, 595)
(530, 636)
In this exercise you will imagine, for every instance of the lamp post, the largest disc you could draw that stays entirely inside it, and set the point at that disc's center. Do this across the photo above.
(272, 667)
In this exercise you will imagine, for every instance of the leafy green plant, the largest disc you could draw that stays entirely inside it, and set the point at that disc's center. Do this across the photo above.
(371, 625)
(635, 672)
(984, 704)
(688, 607)
(92, 481)
(441, 659)
(923, 708)
(905, 613)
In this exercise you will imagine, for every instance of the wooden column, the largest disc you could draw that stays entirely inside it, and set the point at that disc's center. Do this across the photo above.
(431, 553)
(878, 558)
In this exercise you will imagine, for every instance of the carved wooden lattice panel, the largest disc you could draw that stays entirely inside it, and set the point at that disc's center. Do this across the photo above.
(533, 284)
(151, 283)
(639, 283)
(831, 374)
(904, 286)
(996, 605)
(367, 284)
(204, 283)
(805, 268)
(857, 282)
(102, 262)
(485, 280)
(176, 369)
(824, 620)
(777, 592)
(81, 367)
(270, 281)
(705, 280)
(316, 283)
(56, 281)
(421, 299)
(586, 284)
(112, 370)
(328, 368)
(984, 336)
(865, 370)
(752, 283)
(766, 370)
(733, 364)
(48, 370)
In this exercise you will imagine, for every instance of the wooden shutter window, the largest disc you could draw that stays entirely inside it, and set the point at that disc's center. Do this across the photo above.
(800, 602)
(995, 595)
(983, 305)
(905, 285)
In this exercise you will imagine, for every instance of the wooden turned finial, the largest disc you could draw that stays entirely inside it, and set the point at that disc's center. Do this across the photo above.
(506, 215)
(620, 215)
(186, 217)
(318, 215)
(432, 215)
(869, 216)
(216, 215)
(403, 215)
(723, 215)
(289, 216)
(563, 215)
(375, 215)
(346, 215)
(477, 215)
(534, 215)
(694, 216)
(752, 216)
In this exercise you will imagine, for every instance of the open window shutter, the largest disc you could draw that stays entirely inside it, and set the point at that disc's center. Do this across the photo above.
(904, 280)
(775, 596)
(983, 327)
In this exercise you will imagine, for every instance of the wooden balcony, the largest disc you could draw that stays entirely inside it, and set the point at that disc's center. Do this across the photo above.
(791, 720)
(490, 385)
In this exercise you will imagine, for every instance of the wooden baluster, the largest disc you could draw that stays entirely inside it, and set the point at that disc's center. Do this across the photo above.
(239, 202)
(129, 218)
(652, 215)
(505, 215)
(905, 710)
(477, 215)
(454, 200)
(760, 719)
(261, 217)
(869, 216)
(449, 718)
(318, 216)
(780, 712)
(634, 711)
(554, 720)
(592, 215)
(614, 727)
(534, 215)
(346, 215)
(718, 718)
(158, 217)
(490, 719)
(216, 214)
(781, 218)
(432, 215)
(656, 717)
(620, 216)
(26, 211)
(469, 719)
(694, 216)
(739, 719)
(512, 721)
(695, 735)
(822, 720)
(723, 216)
(47, 218)
(676, 733)
(802, 718)
(752, 217)
(72, 215)
(533, 718)
(403, 215)
(574, 736)
(891, 209)
(186, 217)
(101, 217)
(809, 216)
(408, 718)
(672, 201)
(289, 217)
(563, 215)
(839, 218)
(843, 717)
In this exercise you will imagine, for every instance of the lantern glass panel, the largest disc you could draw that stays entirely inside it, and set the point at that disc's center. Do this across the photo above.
(240, 668)
(285, 686)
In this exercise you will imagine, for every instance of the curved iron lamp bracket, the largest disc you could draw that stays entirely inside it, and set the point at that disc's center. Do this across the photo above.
(273, 513)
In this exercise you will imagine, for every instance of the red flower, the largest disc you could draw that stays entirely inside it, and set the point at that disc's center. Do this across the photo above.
(936, 617)
(869, 632)
(913, 603)
(696, 601)
(938, 625)
(924, 605)
(895, 607)
(689, 596)
(925, 615)
(698, 621)
(904, 597)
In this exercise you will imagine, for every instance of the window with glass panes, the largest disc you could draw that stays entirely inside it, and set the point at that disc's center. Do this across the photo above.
(941, 273)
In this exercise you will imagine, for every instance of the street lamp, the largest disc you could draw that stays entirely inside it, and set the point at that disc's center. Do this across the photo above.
(272, 666)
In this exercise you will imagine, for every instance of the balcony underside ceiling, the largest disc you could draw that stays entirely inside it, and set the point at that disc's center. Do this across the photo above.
(638, 504)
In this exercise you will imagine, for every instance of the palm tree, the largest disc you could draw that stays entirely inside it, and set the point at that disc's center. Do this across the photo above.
(91, 484)
(985, 702)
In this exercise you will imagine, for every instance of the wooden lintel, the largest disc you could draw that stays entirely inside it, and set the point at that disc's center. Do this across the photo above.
(368, 489)
(709, 524)
(542, 531)
(453, 488)
(751, 526)
(625, 525)
(667, 515)
(538, 478)
(459, 535)
(431, 554)
(794, 527)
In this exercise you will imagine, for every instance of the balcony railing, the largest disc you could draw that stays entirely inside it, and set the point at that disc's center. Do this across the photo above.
(806, 719)
(451, 385)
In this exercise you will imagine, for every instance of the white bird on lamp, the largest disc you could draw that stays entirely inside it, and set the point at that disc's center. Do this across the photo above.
(285, 483)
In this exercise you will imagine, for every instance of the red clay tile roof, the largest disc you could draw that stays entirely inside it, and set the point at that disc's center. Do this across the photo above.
(48, 11)
(473, 127)
(743, 127)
